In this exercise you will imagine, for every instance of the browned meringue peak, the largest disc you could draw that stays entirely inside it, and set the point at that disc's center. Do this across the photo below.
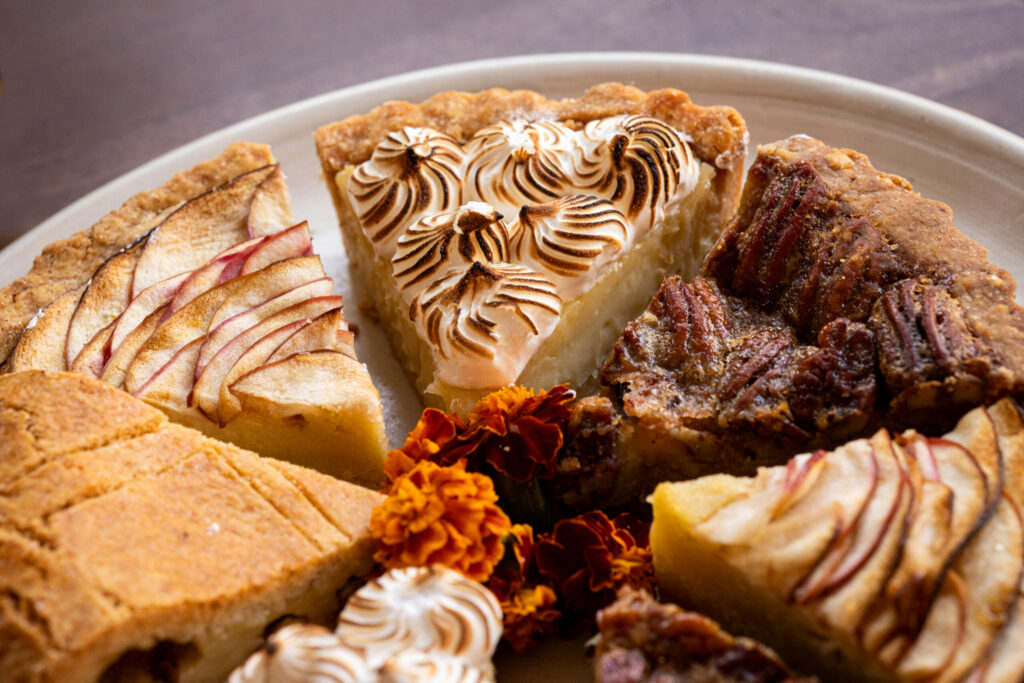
(473, 232)
(431, 609)
(571, 240)
(413, 666)
(298, 653)
(412, 172)
(518, 162)
(640, 163)
(485, 321)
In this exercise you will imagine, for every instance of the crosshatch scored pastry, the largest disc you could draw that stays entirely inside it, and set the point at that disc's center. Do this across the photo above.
(506, 238)
(135, 549)
(206, 300)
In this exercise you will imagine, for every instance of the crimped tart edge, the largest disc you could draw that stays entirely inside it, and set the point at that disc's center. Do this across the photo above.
(719, 133)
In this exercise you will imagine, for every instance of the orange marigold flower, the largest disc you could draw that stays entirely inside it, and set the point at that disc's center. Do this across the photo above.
(434, 438)
(441, 515)
(518, 433)
(587, 558)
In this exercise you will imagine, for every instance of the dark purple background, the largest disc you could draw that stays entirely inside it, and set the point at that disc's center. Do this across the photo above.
(93, 89)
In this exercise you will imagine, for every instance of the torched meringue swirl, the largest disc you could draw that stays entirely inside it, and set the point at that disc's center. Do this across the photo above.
(431, 609)
(474, 232)
(570, 240)
(515, 163)
(637, 162)
(485, 321)
(304, 652)
(413, 666)
(414, 171)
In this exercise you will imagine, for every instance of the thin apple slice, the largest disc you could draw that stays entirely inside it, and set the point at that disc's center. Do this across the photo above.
(220, 268)
(206, 392)
(936, 536)
(991, 567)
(228, 405)
(265, 284)
(107, 294)
(780, 548)
(1004, 663)
(900, 610)
(295, 241)
(93, 356)
(270, 211)
(864, 530)
(150, 299)
(304, 338)
(43, 343)
(199, 230)
(223, 333)
(836, 563)
(117, 365)
(879, 538)
(194, 319)
(326, 333)
(976, 433)
(169, 386)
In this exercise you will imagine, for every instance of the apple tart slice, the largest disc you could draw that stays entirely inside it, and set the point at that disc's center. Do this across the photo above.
(221, 315)
(890, 558)
(506, 238)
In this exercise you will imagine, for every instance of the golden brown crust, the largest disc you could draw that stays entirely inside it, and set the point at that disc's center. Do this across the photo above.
(68, 263)
(119, 531)
(719, 133)
(922, 233)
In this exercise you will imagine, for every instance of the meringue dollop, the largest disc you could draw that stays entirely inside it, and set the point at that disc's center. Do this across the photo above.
(435, 610)
(304, 652)
(570, 240)
(484, 321)
(413, 666)
(437, 242)
(412, 172)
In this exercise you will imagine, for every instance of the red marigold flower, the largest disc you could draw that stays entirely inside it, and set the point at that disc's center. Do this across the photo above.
(434, 438)
(518, 433)
(528, 606)
(528, 612)
(587, 558)
(441, 515)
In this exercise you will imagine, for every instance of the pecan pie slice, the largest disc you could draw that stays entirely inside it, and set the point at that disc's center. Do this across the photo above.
(504, 237)
(837, 301)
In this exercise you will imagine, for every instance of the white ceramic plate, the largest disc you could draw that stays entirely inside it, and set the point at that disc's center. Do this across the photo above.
(973, 166)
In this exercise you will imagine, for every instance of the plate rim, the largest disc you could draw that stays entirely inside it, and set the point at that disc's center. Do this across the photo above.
(1004, 143)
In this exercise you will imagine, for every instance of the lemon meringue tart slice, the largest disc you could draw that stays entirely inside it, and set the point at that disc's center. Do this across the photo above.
(503, 237)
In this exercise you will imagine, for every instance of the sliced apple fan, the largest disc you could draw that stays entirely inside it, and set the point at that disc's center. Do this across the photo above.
(904, 554)
(188, 318)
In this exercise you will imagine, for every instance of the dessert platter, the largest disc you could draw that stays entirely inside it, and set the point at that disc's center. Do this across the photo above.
(521, 366)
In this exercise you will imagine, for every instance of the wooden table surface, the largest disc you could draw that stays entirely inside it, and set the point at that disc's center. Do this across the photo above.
(92, 89)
